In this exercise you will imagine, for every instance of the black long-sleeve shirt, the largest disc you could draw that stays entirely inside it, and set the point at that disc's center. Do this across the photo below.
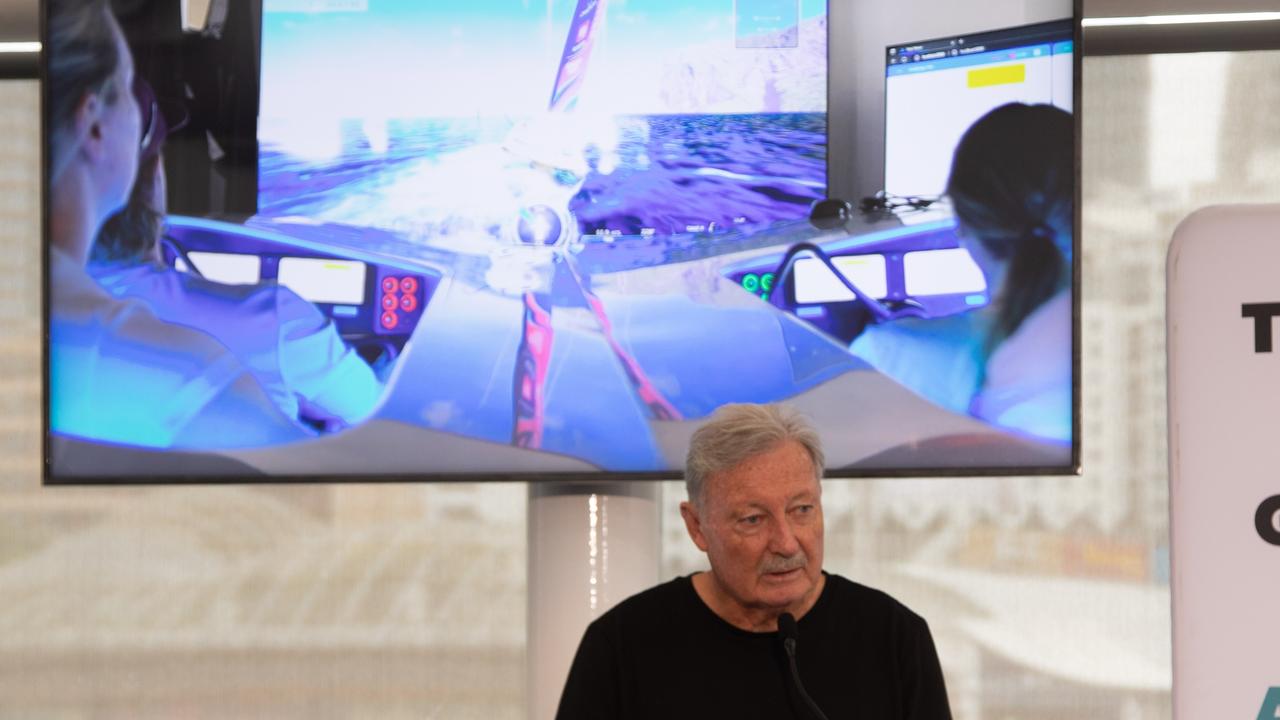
(664, 654)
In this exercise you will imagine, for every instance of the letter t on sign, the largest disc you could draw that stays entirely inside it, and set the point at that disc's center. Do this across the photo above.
(1261, 314)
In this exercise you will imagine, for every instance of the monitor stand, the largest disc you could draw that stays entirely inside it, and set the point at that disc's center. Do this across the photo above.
(591, 545)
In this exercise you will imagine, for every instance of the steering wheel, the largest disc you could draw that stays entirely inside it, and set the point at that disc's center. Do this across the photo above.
(172, 251)
(849, 318)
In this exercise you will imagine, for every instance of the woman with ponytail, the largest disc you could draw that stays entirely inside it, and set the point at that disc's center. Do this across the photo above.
(117, 373)
(1011, 187)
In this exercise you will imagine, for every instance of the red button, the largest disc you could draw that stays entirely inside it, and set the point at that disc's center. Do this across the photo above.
(408, 303)
(389, 284)
(389, 302)
(409, 285)
(389, 320)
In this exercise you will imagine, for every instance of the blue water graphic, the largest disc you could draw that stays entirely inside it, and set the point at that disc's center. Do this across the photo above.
(448, 181)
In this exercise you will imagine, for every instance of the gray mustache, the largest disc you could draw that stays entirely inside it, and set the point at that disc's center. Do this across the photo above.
(779, 563)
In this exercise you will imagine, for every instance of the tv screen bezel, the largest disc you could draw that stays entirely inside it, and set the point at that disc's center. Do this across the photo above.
(1073, 467)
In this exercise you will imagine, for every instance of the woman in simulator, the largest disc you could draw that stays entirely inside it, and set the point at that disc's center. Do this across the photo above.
(1009, 363)
(117, 373)
(291, 347)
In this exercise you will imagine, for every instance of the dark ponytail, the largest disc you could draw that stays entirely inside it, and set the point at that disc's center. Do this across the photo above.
(129, 237)
(1033, 276)
(1011, 186)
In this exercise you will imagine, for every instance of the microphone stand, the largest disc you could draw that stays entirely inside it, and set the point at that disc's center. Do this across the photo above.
(790, 636)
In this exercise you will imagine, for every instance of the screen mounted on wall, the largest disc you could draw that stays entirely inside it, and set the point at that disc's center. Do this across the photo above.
(373, 239)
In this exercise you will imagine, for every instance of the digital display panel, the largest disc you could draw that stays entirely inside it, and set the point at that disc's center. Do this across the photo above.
(230, 268)
(324, 281)
(504, 240)
(815, 283)
(941, 272)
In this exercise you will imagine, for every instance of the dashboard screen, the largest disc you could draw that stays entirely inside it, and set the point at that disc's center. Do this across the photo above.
(941, 272)
(815, 283)
(230, 268)
(323, 280)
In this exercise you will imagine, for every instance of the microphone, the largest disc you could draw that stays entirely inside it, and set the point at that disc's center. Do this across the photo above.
(790, 633)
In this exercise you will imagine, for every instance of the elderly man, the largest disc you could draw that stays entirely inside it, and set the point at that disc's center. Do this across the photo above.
(708, 645)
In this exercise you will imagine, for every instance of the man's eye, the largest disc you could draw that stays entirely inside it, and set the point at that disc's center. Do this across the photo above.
(803, 509)
(752, 520)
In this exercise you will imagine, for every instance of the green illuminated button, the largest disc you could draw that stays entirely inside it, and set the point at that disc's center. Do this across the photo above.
(751, 282)
(766, 282)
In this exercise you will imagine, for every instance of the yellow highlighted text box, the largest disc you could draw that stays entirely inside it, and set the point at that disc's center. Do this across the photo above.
(1000, 75)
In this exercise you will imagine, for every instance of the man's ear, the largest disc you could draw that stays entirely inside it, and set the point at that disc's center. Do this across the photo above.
(693, 523)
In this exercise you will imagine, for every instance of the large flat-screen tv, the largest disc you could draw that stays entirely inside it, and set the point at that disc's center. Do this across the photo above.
(388, 239)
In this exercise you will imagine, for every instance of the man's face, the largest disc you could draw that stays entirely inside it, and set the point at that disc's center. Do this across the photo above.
(760, 524)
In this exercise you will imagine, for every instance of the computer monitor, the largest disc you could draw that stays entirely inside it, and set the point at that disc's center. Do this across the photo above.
(935, 89)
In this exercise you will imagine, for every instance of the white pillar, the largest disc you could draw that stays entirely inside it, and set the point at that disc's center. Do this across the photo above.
(591, 545)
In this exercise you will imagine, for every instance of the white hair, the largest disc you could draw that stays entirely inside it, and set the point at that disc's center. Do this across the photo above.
(737, 432)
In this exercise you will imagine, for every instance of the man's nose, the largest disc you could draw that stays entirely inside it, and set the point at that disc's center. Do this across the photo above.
(783, 541)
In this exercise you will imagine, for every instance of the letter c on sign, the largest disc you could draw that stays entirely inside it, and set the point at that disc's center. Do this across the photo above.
(1265, 519)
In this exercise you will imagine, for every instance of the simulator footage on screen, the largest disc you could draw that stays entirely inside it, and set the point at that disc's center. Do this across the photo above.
(386, 238)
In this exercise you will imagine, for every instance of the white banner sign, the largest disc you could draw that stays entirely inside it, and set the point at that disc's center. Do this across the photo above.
(1224, 445)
